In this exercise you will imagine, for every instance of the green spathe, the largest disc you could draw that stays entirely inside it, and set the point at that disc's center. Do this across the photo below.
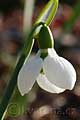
(45, 38)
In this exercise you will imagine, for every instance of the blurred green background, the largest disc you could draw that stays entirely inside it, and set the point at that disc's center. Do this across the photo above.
(38, 104)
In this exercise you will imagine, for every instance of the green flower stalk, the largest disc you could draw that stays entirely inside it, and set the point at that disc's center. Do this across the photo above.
(46, 16)
(12, 84)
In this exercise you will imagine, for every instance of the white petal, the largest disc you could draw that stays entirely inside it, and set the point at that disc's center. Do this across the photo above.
(59, 71)
(52, 52)
(28, 74)
(44, 83)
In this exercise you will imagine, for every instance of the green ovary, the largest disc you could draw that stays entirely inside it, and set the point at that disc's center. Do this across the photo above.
(45, 38)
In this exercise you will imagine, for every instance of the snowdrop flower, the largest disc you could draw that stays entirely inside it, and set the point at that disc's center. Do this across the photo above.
(52, 72)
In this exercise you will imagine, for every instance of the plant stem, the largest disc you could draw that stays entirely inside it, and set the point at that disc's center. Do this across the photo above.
(13, 82)
(11, 87)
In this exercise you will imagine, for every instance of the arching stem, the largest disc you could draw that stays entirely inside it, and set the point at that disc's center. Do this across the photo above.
(12, 83)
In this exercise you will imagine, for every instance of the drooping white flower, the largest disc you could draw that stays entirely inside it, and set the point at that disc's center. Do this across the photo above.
(57, 76)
